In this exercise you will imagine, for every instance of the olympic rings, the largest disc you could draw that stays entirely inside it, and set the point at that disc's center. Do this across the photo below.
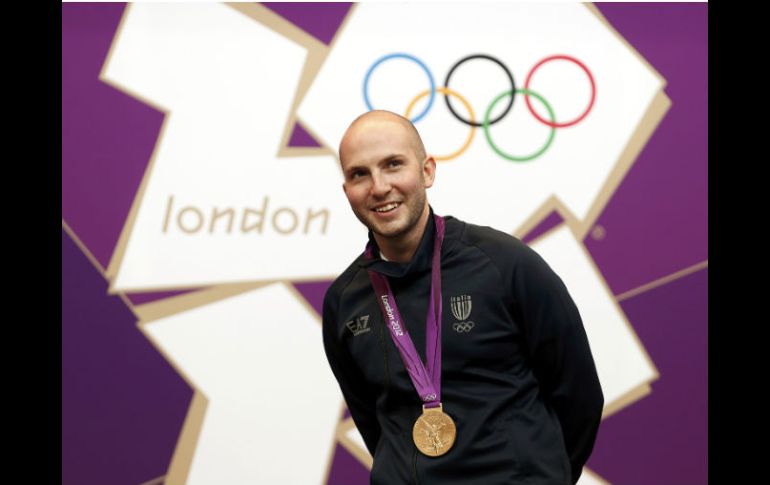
(447, 91)
(489, 137)
(486, 122)
(411, 58)
(461, 327)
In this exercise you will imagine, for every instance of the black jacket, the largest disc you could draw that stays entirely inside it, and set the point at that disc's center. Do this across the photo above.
(517, 376)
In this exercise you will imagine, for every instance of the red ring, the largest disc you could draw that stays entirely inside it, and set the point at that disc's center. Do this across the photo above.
(590, 104)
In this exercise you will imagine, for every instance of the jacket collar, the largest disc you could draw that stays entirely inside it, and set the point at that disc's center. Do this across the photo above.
(421, 260)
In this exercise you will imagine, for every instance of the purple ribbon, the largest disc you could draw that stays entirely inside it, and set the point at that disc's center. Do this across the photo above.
(425, 377)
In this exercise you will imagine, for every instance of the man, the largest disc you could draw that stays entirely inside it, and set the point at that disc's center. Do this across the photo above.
(498, 388)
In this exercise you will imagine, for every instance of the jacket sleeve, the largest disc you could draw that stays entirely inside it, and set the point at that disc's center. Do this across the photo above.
(358, 394)
(560, 354)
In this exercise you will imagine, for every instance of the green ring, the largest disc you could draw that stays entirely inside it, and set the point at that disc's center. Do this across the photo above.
(527, 92)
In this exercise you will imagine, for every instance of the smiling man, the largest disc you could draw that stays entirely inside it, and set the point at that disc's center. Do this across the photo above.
(460, 354)
(386, 173)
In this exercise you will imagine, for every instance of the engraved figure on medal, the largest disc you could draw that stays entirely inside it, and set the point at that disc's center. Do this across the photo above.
(434, 432)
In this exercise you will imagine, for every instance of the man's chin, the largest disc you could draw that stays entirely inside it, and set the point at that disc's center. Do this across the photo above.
(386, 230)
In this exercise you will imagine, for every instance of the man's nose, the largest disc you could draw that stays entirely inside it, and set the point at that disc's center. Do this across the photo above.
(380, 185)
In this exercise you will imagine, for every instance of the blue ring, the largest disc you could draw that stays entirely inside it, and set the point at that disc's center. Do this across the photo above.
(411, 58)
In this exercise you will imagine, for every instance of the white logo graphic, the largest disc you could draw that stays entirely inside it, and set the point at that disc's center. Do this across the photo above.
(461, 309)
(222, 347)
(461, 306)
(359, 325)
(461, 327)
(215, 191)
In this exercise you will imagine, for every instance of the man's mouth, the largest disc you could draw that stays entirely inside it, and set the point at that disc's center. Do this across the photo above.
(387, 207)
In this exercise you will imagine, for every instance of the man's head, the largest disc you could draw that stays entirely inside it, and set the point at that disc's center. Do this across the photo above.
(384, 163)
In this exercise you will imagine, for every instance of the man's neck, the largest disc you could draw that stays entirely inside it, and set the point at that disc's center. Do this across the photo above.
(402, 250)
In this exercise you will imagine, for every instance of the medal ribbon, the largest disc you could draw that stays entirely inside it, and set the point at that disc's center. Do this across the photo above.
(426, 378)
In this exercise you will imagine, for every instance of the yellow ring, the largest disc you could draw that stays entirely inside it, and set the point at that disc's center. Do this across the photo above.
(446, 91)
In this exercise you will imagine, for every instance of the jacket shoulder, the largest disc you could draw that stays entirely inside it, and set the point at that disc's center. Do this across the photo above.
(499, 246)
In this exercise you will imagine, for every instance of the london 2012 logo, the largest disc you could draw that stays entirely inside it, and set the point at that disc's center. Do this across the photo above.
(486, 121)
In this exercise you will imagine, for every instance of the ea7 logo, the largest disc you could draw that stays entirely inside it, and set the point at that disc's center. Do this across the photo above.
(359, 325)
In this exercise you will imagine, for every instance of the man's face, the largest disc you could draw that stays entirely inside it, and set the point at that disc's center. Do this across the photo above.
(385, 181)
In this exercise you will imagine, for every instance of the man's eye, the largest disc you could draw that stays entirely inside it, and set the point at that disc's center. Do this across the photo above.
(395, 163)
(356, 174)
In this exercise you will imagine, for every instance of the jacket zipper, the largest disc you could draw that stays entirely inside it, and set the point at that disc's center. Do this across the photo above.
(414, 467)
(383, 345)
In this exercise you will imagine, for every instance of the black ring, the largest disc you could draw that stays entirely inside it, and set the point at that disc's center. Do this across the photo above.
(507, 73)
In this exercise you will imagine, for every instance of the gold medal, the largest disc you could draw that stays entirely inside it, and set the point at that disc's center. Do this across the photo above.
(434, 431)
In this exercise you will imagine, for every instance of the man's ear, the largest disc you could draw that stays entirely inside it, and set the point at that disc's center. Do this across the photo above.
(429, 171)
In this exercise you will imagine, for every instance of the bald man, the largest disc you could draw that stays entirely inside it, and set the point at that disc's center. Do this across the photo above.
(460, 354)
